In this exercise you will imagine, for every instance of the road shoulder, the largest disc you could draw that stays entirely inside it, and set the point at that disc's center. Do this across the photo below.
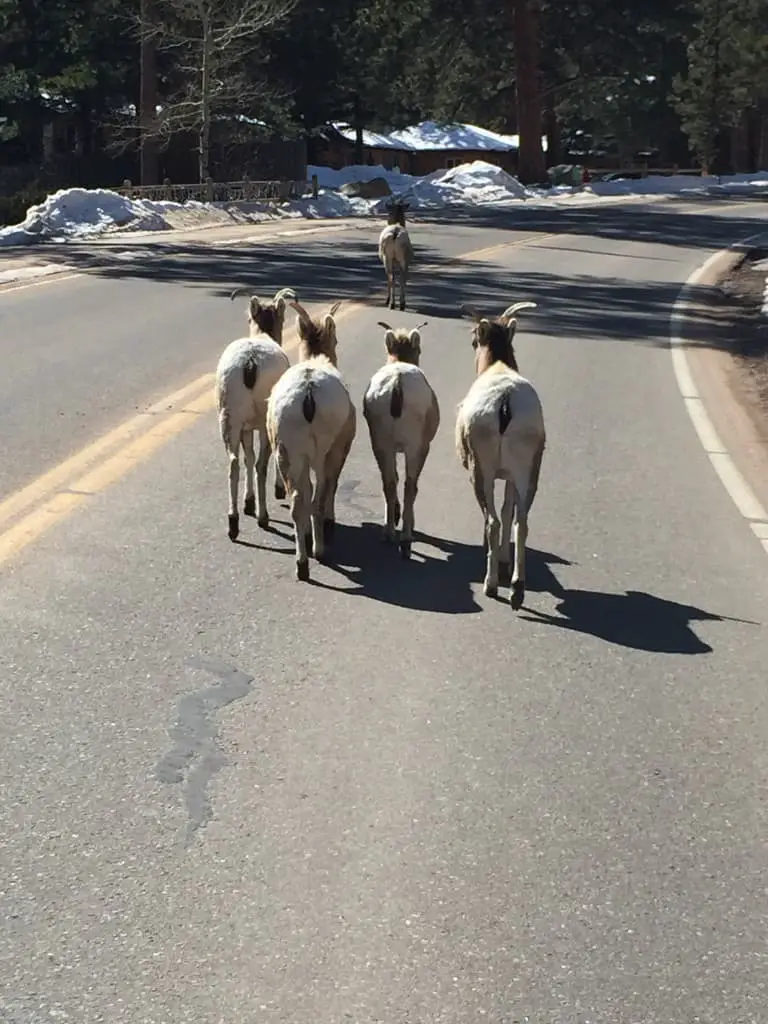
(715, 331)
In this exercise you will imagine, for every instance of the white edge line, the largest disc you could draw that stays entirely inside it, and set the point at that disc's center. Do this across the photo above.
(740, 492)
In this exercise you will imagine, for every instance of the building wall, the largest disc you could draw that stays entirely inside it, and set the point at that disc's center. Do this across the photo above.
(338, 153)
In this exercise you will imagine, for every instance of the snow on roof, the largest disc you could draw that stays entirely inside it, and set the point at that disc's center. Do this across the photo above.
(430, 135)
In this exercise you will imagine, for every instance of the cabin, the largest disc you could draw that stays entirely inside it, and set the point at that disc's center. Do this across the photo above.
(417, 150)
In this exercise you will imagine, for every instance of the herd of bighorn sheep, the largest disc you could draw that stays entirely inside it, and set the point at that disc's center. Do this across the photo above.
(306, 418)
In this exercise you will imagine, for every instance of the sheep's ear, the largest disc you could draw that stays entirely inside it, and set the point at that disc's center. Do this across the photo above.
(334, 308)
(483, 327)
(301, 326)
(280, 306)
(415, 338)
(511, 328)
(330, 325)
(389, 340)
(254, 307)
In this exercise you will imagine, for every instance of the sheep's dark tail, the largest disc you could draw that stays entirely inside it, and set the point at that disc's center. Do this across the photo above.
(397, 231)
(250, 373)
(308, 406)
(396, 401)
(505, 414)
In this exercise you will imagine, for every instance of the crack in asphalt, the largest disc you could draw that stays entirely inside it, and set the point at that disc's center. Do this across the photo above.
(194, 754)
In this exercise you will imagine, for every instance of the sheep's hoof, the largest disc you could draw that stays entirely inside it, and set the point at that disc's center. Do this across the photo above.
(234, 527)
(263, 521)
(517, 595)
(249, 508)
(329, 528)
(405, 549)
(302, 571)
(491, 589)
(279, 492)
(505, 572)
(397, 512)
(402, 307)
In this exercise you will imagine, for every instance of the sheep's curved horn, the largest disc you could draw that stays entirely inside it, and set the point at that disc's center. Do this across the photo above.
(301, 311)
(334, 307)
(419, 326)
(515, 308)
(470, 312)
(387, 327)
(238, 291)
(284, 293)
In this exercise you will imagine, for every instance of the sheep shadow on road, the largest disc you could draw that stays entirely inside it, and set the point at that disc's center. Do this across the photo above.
(633, 619)
(425, 583)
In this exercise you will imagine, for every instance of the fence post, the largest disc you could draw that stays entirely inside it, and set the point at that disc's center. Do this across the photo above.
(167, 187)
(246, 187)
(209, 188)
(314, 186)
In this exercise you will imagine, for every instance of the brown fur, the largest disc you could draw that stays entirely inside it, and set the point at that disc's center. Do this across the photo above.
(396, 213)
(402, 350)
(492, 340)
(266, 317)
(266, 320)
(317, 337)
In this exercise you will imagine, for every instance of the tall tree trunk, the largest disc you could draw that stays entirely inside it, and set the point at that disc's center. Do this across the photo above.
(525, 28)
(357, 116)
(762, 138)
(552, 129)
(147, 97)
(204, 149)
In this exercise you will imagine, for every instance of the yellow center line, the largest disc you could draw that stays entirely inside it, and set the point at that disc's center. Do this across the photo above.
(61, 490)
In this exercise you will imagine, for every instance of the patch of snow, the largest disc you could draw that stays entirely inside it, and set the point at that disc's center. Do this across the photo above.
(675, 184)
(431, 135)
(81, 213)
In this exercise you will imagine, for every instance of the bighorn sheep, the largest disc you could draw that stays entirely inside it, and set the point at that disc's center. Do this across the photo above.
(311, 424)
(500, 435)
(403, 415)
(245, 374)
(395, 250)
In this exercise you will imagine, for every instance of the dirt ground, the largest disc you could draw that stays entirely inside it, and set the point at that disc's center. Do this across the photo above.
(744, 291)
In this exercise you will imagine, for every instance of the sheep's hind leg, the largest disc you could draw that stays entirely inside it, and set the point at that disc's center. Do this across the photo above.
(414, 463)
(485, 499)
(526, 478)
(334, 464)
(261, 479)
(279, 484)
(403, 281)
(507, 514)
(249, 457)
(234, 479)
(387, 462)
(316, 516)
(300, 512)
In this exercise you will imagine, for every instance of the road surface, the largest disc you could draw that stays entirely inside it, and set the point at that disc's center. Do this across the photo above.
(227, 797)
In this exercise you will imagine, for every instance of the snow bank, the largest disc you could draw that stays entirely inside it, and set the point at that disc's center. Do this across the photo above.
(467, 184)
(81, 213)
(76, 212)
(675, 184)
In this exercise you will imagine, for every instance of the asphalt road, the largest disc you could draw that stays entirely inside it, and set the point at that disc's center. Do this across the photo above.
(229, 797)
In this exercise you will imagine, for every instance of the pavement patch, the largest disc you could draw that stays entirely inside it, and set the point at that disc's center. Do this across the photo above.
(194, 757)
